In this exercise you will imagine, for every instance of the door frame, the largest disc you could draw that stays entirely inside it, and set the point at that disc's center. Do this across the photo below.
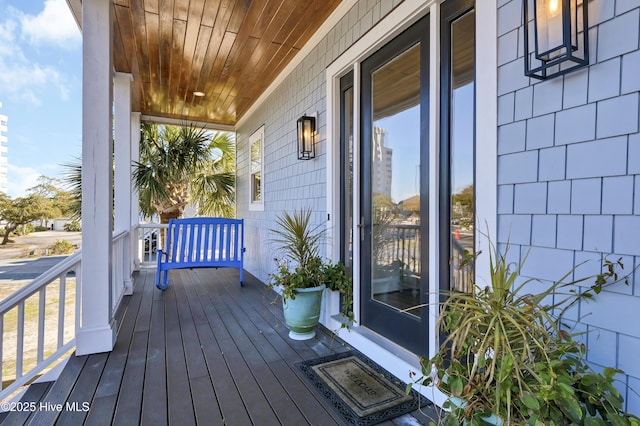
(396, 21)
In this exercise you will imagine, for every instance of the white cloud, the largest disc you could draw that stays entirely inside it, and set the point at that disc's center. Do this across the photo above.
(20, 78)
(53, 26)
(20, 179)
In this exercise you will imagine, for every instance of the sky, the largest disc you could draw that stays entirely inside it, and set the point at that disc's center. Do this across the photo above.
(40, 89)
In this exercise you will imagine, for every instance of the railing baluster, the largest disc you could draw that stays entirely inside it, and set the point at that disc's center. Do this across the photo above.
(78, 271)
(20, 340)
(62, 300)
(41, 314)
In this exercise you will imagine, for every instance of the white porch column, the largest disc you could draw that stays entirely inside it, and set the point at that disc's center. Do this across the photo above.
(122, 166)
(135, 211)
(96, 329)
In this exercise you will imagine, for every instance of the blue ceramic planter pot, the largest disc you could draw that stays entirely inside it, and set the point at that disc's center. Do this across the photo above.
(302, 314)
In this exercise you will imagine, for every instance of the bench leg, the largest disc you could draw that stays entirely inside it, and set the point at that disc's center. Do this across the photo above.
(162, 276)
(241, 277)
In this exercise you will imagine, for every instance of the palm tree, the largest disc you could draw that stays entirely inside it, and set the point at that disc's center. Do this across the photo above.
(72, 178)
(178, 165)
(182, 165)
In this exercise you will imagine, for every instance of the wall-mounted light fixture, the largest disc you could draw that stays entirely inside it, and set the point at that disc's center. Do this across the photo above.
(560, 37)
(306, 137)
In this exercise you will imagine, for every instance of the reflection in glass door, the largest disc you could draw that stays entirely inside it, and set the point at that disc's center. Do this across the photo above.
(395, 182)
(458, 94)
(394, 159)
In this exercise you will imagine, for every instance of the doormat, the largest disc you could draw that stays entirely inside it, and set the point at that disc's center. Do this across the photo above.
(359, 389)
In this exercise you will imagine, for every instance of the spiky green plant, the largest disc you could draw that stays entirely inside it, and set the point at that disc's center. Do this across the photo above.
(298, 240)
(506, 352)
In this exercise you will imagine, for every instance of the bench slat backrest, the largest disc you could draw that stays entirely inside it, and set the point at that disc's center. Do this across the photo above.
(206, 240)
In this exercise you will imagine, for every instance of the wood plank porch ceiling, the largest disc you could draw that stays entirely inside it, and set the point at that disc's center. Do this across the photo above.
(231, 50)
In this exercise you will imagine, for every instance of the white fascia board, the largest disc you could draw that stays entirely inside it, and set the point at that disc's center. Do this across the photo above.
(178, 122)
(75, 6)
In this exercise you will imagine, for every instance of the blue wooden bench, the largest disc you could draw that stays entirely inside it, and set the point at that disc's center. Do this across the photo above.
(201, 242)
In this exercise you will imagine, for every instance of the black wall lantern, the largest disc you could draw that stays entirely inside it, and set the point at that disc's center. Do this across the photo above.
(560, 37)
(306, 138)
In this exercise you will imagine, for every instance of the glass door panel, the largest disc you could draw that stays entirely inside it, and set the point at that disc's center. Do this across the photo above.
(462, 154)
(394, 185)
(395, 182)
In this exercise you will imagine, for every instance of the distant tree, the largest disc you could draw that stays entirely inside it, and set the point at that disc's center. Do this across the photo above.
(19, 211)
(182, 165)
(5, 202)
(465, 198)
(54, 200)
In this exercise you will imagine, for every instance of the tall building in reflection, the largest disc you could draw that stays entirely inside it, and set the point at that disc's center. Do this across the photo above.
(381, 163)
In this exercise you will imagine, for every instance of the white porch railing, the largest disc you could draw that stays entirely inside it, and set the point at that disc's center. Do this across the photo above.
(120, 283)
(151, 237)
(39, 322)
(30, 319)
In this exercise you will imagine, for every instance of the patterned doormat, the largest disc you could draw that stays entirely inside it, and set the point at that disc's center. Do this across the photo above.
(359, 389)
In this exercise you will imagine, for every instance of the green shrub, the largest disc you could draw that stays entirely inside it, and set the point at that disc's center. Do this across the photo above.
(40, 228)
(72, 226)
(61, 247)
(22, 230)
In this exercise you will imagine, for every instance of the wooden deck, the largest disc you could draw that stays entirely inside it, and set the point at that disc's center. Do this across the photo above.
(205, 351)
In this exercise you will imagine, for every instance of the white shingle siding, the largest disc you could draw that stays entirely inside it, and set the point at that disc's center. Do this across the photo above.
(598, 233)
(619, 35)
(543, 230)
(512, 137)
(617, 195)
(518, 168)
(547, 96)
(524, 103)
(530, 198)
(582, 151)
(598, 158)
(540, 131)
(575, 89)
(552, 163)
(604, 80)
(559, 197)
(576, 124)
(505, 199)
(630, 72)
(600, 343)
(618, 116)
(586, 196)
(505, 108)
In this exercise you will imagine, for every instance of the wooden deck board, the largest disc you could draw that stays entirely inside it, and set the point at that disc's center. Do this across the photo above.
(274, 349)
(179, 405)
(228, 399)
(76, 406)
(279, 400)
(33, 394)
(59, 392)
(205, 351)
(259, 410)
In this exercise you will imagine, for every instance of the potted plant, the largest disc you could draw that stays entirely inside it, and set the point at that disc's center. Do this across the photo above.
(302, 275)
(507, 358)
